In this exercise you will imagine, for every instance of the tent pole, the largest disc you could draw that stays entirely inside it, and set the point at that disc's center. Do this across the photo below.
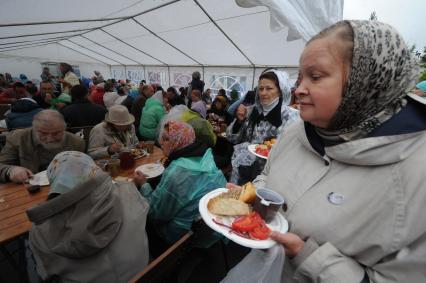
(95, 52)
(165, 41)
(223, 32)
(168, 70)
(61, 22)
(35, 40)
(252, 82)
(133, 47)
(111, 50)
(144, 74)
(125, 72)
(46, 33)
(110, 71)
(84, 54)
(6, 48)
(83, 31)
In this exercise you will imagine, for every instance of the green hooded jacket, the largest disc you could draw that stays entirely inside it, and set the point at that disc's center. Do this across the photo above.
(174, 202)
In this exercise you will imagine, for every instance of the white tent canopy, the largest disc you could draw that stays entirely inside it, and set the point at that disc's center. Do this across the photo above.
(160, 35)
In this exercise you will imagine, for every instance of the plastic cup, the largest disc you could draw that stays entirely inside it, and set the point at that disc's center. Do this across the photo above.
(113, 167)
(267, 203)
(127, 160)
(149, 146)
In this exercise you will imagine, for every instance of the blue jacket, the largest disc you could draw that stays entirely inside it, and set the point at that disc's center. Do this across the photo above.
(21, 113)
(174, 202)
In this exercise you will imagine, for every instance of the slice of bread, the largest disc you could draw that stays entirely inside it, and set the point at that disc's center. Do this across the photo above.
(227, 206)
(248, 193)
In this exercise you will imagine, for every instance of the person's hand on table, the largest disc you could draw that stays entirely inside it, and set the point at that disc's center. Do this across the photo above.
(292, 243)
(241, 113)
(114, 148)
(139, 178)
(19, 174)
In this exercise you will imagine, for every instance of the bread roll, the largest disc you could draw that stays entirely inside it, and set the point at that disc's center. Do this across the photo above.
(248, 193)
(227, 206)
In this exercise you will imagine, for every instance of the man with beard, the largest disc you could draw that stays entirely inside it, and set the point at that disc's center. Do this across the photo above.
(29, 151)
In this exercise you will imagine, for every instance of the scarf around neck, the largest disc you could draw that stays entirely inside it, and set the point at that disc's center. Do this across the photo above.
(382, 73)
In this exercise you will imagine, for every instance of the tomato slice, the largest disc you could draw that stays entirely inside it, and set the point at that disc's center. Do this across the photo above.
(262, 151)
(261, 232)
(244, 224)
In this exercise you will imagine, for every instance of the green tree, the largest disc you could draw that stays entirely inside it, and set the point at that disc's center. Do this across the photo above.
(373, 16)
(423, 58)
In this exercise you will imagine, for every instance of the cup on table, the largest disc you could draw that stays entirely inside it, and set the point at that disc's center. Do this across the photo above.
(267, 203)
(127, 159)
(149, 145)
(113, 167)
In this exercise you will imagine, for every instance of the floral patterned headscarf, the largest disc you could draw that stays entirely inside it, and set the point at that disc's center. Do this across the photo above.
(179, 134)
(383, 72)
(69, 169)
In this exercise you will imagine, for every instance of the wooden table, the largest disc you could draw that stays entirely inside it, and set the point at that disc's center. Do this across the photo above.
(15, 200)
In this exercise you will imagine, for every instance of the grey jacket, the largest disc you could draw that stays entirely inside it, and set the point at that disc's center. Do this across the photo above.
(360, 207)
(94, 233)
(101, 138)
(23, 150)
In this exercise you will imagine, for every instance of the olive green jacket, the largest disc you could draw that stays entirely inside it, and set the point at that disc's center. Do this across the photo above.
(22, 149)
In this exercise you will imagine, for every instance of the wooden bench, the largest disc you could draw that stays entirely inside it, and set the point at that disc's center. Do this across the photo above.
(160, 267)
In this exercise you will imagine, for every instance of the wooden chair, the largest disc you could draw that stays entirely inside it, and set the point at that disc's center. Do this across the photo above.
(162, 266)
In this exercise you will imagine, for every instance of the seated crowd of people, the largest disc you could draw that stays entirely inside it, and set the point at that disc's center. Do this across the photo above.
(348, 162)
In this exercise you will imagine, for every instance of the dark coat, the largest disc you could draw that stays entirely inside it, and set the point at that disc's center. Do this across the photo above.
(22, 113)
(83, 114)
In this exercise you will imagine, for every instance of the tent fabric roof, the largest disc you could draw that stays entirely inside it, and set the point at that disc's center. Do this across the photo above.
(157, 32)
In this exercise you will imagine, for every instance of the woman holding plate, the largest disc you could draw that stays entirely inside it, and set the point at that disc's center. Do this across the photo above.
(190, 173)
(354, 175)
(268, 117)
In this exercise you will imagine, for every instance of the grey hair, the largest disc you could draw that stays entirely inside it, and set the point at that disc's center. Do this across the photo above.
(196, 75)
(47, 117)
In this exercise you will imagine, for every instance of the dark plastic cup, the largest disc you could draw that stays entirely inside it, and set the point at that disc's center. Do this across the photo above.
(127, 160)
(267, 203)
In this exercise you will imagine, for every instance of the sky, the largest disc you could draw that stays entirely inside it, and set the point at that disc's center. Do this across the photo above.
(408, 17)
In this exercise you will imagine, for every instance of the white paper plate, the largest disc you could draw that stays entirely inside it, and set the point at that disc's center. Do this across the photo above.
(279, 224)
(252, 149)
(151, 170)
(40, 179)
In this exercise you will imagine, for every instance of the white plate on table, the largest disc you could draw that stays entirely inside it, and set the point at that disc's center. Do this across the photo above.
(279, 223)
(252, 149)
(40, 179)
(151, 170)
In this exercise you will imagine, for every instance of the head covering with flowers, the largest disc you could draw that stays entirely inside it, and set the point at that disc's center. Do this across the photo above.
(179, 134)
(69, 169)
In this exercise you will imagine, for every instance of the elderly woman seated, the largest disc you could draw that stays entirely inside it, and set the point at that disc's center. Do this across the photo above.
(116, 132)
(268, 117)
(90, 229)
(190, 173)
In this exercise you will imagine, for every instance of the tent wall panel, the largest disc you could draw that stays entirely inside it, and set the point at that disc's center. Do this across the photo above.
(32, 67)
